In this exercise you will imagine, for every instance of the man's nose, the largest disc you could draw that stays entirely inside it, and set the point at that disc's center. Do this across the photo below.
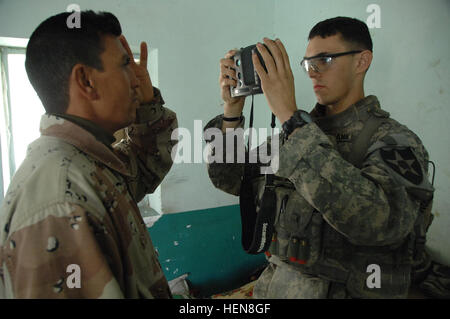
(312, 73)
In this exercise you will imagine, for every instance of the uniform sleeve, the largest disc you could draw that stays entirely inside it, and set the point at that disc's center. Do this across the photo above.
(66, 254)
(148, 145)
(370, 206)
(225, 173)
(227, 156)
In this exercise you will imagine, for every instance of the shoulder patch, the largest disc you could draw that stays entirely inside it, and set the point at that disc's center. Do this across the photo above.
(404, 162)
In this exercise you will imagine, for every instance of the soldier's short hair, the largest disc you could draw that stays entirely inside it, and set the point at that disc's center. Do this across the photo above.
(55, 47)
(352, 30)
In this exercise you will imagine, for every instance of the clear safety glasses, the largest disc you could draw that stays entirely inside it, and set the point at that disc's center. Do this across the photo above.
(322, 62)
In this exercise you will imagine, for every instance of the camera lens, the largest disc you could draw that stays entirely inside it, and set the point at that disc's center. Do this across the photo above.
(238, 62)
(239, 75)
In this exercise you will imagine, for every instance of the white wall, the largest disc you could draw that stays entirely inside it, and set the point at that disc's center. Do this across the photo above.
(409, 74)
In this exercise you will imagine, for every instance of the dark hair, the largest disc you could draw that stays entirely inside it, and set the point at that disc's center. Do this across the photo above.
(352, 30)
(54, 48)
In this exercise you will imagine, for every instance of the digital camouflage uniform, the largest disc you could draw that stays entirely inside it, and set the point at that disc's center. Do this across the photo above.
(333, 219)
(73, 201)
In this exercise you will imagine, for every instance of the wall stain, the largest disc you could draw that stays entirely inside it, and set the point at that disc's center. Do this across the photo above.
(435, 63)
(173, 180)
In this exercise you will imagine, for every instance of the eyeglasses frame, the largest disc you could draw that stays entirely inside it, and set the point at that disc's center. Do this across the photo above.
(332, 55)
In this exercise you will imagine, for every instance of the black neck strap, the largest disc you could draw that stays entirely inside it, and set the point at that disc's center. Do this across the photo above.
(257, 227)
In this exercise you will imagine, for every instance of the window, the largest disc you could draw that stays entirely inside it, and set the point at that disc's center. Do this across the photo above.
(21, 110)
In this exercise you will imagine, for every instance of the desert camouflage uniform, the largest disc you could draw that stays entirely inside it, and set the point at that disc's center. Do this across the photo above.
(333, 219)
(73, 201)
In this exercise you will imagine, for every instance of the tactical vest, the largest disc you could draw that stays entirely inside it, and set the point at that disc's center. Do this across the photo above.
(304, 240)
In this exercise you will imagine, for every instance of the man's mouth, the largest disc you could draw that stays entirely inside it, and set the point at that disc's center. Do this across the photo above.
(318, 87)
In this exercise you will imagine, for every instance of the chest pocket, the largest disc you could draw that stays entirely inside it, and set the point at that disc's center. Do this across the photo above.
(298, 226)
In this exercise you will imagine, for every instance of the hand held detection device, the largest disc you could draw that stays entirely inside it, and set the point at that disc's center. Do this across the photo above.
(248, 82)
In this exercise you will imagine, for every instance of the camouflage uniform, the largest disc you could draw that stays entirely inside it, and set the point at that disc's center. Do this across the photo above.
(73, 201)
(333, 219)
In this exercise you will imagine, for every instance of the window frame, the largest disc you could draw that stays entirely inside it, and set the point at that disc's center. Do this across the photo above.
(7, 46)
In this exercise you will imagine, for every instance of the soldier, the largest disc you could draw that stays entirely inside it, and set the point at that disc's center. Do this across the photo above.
(351, 180)
(69, 223)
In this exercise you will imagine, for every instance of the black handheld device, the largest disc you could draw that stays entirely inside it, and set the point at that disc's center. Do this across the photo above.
(248, 81)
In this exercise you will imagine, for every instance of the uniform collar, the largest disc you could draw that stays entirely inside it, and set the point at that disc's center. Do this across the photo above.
(82, 139)
(356, 112)
(100, 134)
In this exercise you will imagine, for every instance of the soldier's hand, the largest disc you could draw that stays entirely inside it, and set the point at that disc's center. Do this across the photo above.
(233, 105)
(278, 82)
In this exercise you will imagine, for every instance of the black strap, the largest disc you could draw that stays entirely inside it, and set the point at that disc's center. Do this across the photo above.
(362, 142)
(248, 214)
(269, 177)
(257, 227)
(250, 127)
(232, 119)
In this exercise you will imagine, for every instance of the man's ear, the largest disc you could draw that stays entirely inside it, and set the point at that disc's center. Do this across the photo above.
(83, 81)
(364, 61)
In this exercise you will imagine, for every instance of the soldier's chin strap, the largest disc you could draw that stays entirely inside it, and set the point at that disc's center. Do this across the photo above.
(257, 226)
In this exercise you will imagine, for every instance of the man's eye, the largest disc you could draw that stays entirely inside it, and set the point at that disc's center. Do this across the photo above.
(323, 60)
(127, 62)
